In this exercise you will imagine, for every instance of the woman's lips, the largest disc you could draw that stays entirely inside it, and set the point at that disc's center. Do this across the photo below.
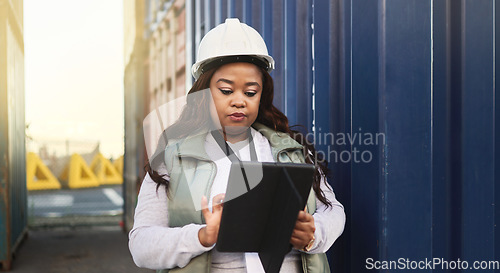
(237, 116)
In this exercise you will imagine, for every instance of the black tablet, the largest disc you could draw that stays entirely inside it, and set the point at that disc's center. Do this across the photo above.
(259, 215)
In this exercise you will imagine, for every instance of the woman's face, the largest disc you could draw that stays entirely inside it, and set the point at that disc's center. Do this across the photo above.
(236, 89)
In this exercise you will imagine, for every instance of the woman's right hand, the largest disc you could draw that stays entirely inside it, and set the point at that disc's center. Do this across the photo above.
(208, 234)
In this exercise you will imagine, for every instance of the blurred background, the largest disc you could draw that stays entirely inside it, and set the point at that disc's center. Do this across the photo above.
(73, 64)
(78, 78)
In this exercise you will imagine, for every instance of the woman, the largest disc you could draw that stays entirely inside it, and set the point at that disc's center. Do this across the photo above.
(231, 99)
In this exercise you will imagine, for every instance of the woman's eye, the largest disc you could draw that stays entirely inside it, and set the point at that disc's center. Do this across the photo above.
(225, 91)
(250, 94)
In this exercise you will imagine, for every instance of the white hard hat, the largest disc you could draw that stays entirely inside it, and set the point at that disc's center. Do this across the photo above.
(229, 42)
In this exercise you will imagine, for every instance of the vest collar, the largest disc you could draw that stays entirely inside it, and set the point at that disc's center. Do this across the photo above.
(279, 141)
(194, 145)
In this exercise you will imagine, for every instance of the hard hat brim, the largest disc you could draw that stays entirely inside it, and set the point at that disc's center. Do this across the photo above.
(265, 62)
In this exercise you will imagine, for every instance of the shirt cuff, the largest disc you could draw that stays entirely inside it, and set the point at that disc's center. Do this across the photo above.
(196, 241)
(317, 238)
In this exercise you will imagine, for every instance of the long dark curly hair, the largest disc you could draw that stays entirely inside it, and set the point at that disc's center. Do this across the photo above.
(194, 117)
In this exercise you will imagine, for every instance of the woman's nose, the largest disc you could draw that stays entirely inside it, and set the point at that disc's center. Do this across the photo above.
(238, 101)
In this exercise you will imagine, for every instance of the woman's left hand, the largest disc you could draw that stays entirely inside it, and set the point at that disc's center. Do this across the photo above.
(303, 232)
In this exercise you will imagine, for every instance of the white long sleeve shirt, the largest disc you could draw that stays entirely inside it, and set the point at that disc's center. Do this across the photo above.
(155, 245)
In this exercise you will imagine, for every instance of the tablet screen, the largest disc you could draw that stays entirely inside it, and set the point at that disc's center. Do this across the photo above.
(277, 192)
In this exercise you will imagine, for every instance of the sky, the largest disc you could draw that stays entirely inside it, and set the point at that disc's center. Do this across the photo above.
(74, 74)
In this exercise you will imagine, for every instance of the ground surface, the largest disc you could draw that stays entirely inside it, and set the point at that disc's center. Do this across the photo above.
(81, 249)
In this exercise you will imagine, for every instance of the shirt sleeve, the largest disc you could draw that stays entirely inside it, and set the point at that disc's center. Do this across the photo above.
(329, 221)
(152, 243)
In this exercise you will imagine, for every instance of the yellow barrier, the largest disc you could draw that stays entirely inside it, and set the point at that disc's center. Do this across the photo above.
(77, 174)
(38, 175)
(105, 171)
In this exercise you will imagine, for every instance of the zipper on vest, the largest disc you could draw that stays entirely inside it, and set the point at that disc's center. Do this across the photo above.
(209, 184)
(211, 178)
(304, 262)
